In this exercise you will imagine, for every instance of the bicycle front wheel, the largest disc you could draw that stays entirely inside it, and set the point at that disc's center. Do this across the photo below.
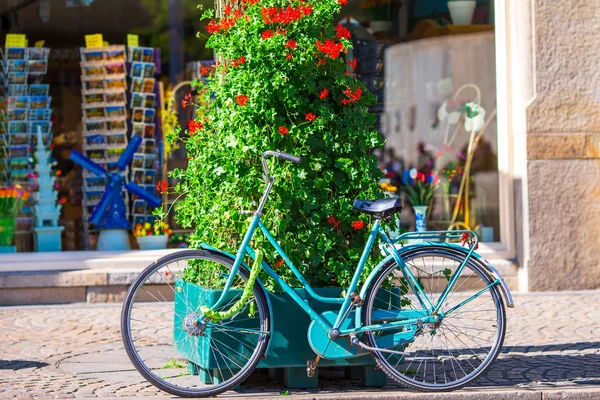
(173, 346)
(448, 354)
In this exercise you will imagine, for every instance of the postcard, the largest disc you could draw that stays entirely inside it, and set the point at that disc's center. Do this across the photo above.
(17, 90)
(94, 112)
(19, 151)
(137, 100)
(149, 130)
(148, 54)
(148, 70)
(17, 114)
(116, 125)
(17, 78)
(118, 139)
(115, 83)
(138, 161)
(16, 66)
(19, 163)
(149, 115)
(115, 111)
(93, 98)
(17, 127)
(137, 115)
(149, 177)
(91, 71)
(94, 84)
(149, 145)
(139, 206)
(136, 53)
(39, 89)
(94, 126)
(148, 86)
(137, 84)
(43, 125)
(149, 100)
(137, 70)
(37, 67)
(37, 53)
(116, 54)
(95, 140)
(37, 102)
(138, 129)
(15, 53)
(17, 102)
(95, 154)
(117, 68)
(115, 153)
(114, 98)
(19, 139)
(94, 182)
(92, 55)
(149, 161)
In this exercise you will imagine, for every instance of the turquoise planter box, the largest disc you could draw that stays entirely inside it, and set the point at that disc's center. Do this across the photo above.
(48, 238)
(288, 350)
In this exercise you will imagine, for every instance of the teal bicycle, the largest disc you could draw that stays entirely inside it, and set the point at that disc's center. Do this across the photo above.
(431, 313)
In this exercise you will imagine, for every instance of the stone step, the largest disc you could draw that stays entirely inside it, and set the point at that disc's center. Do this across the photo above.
(102, 278)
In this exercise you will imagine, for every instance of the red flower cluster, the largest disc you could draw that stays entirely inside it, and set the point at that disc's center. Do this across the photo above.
(283, 130)
(250, 2)
(289, 56)
(353, 64)
(342, 32)
(324, 94)
(161, 186)
(187, 101)
(332, 221)
(330, 48)
(274, 15)
(279, 263)
(267, 34)
(241, 100)
(204, 71)
(342, 2)
(357, 225)
(352, 96)
(291, 44)
(239, 61)
(195, 126)
(311, 117)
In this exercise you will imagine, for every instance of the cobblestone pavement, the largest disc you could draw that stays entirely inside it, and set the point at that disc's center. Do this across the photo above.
(552, 350)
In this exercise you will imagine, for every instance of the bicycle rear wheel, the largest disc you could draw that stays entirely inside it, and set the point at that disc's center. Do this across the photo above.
(451, 353)
(166, 338)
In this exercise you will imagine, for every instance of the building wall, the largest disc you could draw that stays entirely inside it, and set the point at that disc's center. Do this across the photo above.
(563, 147)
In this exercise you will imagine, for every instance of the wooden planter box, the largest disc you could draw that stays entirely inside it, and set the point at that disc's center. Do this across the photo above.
(288, 349)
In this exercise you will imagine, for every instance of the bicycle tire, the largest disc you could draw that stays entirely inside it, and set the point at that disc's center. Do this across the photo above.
(380, 358)
(242, 374)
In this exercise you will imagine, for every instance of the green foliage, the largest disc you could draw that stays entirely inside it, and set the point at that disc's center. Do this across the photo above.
(284, 74)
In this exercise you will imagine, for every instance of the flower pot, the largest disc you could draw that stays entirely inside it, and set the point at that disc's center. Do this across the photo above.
(462, 11)
(288, 346)
(155, 242)
(381, 26)
(420, 218)
(7, 231)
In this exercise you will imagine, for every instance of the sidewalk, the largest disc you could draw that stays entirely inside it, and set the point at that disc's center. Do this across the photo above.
(552, 351)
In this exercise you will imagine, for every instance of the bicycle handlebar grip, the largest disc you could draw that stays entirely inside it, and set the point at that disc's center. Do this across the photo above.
(284, 156)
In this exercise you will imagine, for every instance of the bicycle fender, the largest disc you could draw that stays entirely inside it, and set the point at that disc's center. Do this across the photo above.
(487, 267)
(213, 250)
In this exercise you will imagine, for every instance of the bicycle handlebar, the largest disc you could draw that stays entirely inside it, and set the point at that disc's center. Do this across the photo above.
(283, 156)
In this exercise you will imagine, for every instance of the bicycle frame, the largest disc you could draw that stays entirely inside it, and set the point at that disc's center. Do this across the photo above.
(429, 314)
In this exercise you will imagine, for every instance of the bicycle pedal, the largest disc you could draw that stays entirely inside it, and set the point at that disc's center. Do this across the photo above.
(311, 367)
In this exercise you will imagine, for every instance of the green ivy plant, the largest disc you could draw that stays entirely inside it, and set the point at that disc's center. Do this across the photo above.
(282, 84)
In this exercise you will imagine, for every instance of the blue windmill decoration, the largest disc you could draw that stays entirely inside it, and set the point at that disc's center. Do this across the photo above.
(111, 211)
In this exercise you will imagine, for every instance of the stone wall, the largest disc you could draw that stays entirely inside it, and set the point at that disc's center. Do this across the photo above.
(563, 147)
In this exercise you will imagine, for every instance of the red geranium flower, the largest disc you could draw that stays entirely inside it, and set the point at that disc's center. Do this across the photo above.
(267, 34)
(342, 32)
(291, 44)
(357, 225)
(330, 48)
(161, 186)
(187, 101)
(332, 221)
(283, 130)
(194, 126)
(204, 71)
(352, 96)
(310, 117)
(279, 263)
(289, 56)
(352, 63)
(324, 93)
(343, 2)
(241, 100)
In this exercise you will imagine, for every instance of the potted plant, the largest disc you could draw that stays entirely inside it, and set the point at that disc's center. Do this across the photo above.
(380, 14)
(461, 11)
(152, 236)
(12, 200)
(419, 189)
(282, 85)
